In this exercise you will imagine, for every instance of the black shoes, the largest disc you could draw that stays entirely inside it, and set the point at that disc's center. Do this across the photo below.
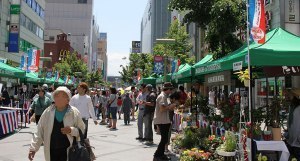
(164, 157)
(138, 138)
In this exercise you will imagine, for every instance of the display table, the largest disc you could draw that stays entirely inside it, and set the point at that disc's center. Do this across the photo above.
(274, 146)
(8, 121)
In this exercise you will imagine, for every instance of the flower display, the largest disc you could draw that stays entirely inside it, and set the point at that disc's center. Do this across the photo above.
(195, 154)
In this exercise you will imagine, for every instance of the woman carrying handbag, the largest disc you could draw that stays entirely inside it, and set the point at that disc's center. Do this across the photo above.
(57, 128)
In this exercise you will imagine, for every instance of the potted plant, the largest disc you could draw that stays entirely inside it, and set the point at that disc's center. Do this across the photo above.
(244, 76)
(275, 118)
(229, 146)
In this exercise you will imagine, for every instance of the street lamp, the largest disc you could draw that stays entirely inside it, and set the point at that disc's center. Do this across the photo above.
(165, 42)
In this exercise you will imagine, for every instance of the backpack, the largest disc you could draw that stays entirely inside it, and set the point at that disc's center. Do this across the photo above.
(119, 101)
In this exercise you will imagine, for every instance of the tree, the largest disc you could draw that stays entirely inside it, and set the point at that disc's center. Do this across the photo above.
(220, 18)
(70, 65)
(94, 78)
(137, 61)
(180, 48)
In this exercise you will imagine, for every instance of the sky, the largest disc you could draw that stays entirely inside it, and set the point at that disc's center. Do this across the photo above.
(121, 20)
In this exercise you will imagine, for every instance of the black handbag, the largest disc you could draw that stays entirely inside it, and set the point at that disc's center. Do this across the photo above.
(78, 150)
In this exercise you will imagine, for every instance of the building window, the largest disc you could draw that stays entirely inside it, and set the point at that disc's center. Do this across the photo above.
(82, 1)
(51, 38)
(38, 9)
(29, 2)
(34, 4)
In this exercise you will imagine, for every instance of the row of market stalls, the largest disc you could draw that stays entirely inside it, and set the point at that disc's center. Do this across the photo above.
(281, 49)
(275, 63)
(12, 79)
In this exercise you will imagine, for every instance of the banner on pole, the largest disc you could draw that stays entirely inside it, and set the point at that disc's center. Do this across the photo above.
(158, 64)
(257, 21)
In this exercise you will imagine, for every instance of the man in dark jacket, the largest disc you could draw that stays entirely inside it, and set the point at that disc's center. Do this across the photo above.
(149, 114)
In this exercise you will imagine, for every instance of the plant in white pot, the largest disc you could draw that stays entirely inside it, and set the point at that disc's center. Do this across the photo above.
(229, 146)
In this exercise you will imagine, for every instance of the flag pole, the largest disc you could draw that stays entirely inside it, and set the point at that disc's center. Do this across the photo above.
(250, 81)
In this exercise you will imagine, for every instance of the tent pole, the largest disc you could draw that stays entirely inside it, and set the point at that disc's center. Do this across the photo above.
(250, 82)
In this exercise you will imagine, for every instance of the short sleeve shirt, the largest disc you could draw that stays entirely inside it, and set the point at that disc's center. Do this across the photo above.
(161, 117)
(151, 97)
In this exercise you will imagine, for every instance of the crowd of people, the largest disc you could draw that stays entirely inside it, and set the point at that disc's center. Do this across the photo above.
(60, 115)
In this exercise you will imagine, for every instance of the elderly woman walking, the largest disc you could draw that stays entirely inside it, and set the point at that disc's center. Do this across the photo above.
(57, 126)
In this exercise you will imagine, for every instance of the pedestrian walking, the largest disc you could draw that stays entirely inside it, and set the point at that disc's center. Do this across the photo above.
(103, 105)
(132, 96)
(96, 103)
(47, 93)
(39, 104)
(112, 109)
(119, 103)
(141, 100)
(57, 127)
(126, 107)
(149, 114)
(84, 104)
(161, 118)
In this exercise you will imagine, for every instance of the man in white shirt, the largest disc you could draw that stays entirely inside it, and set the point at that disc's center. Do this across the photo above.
(84, 104)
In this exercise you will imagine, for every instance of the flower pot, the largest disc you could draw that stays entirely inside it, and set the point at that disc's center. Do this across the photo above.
(246, 82)
(276, 134)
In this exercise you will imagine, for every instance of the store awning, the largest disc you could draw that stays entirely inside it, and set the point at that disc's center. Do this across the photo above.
(281, 49)
(9, 71)
(32, 77)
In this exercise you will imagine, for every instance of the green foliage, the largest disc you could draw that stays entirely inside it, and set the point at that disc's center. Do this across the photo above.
(137, 61)
(180, 48)
(220, 19)
(94, 78)
(71, 64)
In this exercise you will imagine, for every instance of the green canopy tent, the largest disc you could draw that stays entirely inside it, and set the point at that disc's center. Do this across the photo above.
(149, 80)
(161, 80)
(9, 71)
(280, 49)
(178, 77)
(186, 73)
(32, 77)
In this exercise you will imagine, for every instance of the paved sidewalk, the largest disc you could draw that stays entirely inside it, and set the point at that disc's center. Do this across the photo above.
(119, 145)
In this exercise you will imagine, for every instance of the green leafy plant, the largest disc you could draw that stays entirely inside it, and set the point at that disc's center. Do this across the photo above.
(230, 142)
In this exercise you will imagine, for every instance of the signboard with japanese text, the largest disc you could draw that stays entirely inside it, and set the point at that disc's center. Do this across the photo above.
(136, 47)
(282, 71)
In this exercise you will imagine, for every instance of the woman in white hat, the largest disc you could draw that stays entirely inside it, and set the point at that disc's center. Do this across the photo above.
(58, 124)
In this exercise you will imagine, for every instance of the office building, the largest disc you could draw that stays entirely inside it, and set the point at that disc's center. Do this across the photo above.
(155, 23)
(102, 55)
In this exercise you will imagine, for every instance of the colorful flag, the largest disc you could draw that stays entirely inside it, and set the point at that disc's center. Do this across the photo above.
(257, 21)
(56, 76)
(139, 75)
(34, 60)
(22, 62)
(175, 65)
(67, 78)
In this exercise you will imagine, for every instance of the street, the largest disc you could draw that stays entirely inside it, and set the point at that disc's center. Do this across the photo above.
(119, 145)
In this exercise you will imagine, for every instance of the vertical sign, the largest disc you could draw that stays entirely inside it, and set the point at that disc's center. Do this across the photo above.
(292, 11)
(13, 44)
(158, 64)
